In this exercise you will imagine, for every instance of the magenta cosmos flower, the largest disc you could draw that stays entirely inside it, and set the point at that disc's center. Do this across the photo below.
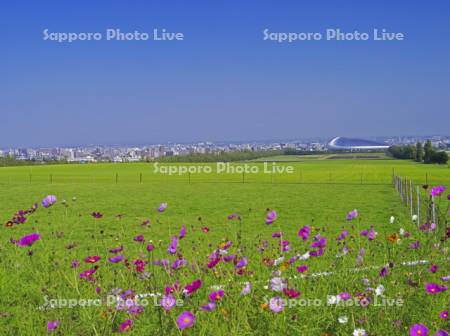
(52, 325)
(242, 263)
(150, 247)
(302, 268)
(139, 238)
(217, 295)
(126, 326)
(116, 259)
(210, 306)
(48, 201)
(97, 214)
(352, 214)
(304, 232)
(437, 191)
(92, 259)
(443, 314)
(116, 249)
(185, 320)
(162, 207)
(192, 287)
(271, 217)
(418, 330)
(434, 288)
(28, 240)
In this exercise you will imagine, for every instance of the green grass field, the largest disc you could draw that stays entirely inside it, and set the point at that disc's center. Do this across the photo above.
(318, 194)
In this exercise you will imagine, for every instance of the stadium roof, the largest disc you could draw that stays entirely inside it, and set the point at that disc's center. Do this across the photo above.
(351, 143)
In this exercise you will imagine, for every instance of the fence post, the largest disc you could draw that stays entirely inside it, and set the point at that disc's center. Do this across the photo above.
(418, 204)
(411, 196)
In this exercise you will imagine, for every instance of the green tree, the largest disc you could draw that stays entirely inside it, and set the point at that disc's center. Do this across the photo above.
(419, 152)
(439, 157)
(428, 149)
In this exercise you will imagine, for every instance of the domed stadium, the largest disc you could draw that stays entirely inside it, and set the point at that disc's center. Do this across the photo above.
(355, 144)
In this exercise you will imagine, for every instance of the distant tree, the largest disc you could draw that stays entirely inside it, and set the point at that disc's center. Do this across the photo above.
(428, 149)
(439, 157)
(419, 152)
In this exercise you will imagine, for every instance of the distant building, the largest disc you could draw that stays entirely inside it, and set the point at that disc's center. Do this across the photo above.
(341, 143)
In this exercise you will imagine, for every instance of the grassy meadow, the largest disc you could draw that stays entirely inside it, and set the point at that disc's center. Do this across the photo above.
(251, 282)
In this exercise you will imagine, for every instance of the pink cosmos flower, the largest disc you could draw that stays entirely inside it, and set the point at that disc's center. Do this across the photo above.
(352, 214)
(185, 320)
(162, 207)
(291, 293)
(302, 268)
(172, 249)
(28, 240)
(205, 229)
(168, 302)
(192, 287)
(276, 304)
(271, 217)
(241, 263)
(247, 289)
(139, 238)
(443, 314)
(48, 201)
(150, 247)
(116, 249)
(437, 191)
(210, 306)
(182, 232)
(116, 259)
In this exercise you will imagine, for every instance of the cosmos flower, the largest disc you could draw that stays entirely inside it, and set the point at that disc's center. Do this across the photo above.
(126, 326)
(217, 295)
(352, 214)
(168, 302)
(383, 272)
(276, 304)
(392, 219)
(433, 268)
(277, 284)
(52, 325)
(28, 240)
(150, 247)
(88, 274)
(277, 234)
(139, 238)
(302, 268)
(371, 234)
(74, 264)
(116, 249)
(205, 229)
(434, 288)
(247, 289)
(342, 235)
(304, 232)
(185, 320)
(116, 259)
(414, 245)
(210, 306)
(232, 216)
(162, 207)
(441, 332)
(344, 296)
(443, 314)
(271, 217)
(172, 249)
(97, 214)
(179, 263)
(92, 259)
(192, 287)
(319, 242)
(359, 332)
(418, 330)
(182, 232)
(242, 263)
(48, 201)
(437, 191)
(291, 293)
(343, 319)
(140, 265)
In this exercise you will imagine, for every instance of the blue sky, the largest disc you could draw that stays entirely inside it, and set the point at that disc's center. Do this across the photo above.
(223, 82)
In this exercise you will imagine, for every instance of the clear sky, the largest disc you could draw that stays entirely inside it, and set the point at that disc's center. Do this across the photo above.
(223, 82)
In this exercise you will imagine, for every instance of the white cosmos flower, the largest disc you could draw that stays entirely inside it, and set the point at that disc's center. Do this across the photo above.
(392, 219)
(278, 261)
(414, 218)
(359, 332)
(379, 290)
(343, 319)
(333, 299)
(277, 284)
(304, 256)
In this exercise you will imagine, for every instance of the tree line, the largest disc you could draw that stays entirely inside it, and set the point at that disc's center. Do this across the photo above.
(419, 153)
